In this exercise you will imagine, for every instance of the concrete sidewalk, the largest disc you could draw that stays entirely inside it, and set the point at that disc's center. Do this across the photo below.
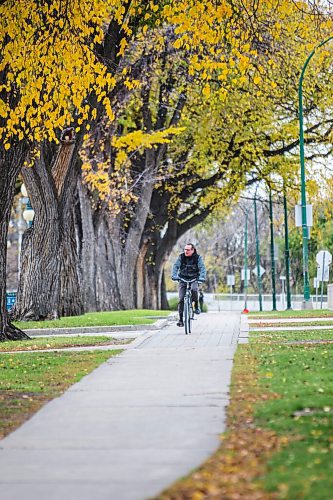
(134, 425)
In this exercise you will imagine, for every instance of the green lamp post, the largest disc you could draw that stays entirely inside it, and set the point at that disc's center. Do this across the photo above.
(271, 225)
(305, 231)
(257, 254)
(245, 310)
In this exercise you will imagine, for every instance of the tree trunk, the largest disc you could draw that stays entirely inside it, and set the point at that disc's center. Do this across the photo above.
(87, 244)
(154, 285)
(10, 165)
(39, 285)
(107, 272)
(49, 282)
(141, 276)
(98, 254)
(71, 303)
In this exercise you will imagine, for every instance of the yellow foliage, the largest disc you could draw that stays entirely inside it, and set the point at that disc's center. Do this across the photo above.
(48, 51)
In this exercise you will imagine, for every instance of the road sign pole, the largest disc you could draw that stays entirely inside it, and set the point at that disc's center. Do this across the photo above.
(323, 258)
(322, 281)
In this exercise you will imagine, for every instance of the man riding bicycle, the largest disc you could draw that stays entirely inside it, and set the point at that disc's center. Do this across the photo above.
(188, 266)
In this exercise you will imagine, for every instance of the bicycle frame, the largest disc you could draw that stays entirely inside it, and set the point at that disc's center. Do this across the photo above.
(188, 307)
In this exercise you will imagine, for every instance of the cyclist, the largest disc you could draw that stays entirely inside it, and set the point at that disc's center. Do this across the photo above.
(189, 265)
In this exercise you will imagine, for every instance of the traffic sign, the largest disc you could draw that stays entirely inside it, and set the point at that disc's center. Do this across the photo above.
(262, 270)
(230, 279)
(298, 216)
(323, 258)
(248, 274)
(323, 275)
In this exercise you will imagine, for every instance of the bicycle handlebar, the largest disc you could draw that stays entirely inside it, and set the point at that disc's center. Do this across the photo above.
(188, 281)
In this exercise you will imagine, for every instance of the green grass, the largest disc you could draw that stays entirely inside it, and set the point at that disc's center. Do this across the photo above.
(302, 377)
(297, 324)
(108, 318)
(29, 381)
(58, 342)
(307, 313)
(290, 335)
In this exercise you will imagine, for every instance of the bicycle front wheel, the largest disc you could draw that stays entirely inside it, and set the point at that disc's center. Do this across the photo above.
(187, 317)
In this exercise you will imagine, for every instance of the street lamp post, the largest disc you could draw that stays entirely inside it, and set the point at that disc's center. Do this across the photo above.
(28, 215)
(272, 249)
(257, 253)
(305, 230)
(245, 262)
(286, 248)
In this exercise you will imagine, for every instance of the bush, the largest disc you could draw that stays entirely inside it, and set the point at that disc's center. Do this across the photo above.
(173, 305)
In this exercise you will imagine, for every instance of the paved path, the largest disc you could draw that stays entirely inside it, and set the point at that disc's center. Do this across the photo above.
(134, 425)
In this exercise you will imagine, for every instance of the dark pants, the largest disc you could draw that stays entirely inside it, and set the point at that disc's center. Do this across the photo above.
(182, 291)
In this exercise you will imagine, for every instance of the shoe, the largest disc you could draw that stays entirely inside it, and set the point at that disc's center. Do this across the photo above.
(180, 323)
(197, 311)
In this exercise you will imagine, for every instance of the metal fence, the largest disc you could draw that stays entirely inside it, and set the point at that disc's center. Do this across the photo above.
(236, 301)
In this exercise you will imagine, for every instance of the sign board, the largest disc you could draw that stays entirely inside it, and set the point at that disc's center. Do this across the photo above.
(316, 282)
(230, 279)
(276, 251)
(262, 270)
(243, 274)
(323, 258)
(323, 276)
(298, 216)
(10, 300)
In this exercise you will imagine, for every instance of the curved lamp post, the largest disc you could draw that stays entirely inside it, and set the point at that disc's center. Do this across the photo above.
(305, 231)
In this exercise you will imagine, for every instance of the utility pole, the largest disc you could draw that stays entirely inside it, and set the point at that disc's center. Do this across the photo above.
(272, 249)
(257, 254)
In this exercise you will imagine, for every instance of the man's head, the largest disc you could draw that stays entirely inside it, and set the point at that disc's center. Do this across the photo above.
(189, 249)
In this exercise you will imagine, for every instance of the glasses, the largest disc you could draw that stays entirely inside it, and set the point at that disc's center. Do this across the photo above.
(188, 249)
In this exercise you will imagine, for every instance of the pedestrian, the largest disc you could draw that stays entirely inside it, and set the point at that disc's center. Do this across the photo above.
(189, 265)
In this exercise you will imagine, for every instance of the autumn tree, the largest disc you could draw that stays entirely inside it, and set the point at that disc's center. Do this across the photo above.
(55, 68)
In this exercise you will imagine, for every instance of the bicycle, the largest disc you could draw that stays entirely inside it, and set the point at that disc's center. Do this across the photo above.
(188, 305)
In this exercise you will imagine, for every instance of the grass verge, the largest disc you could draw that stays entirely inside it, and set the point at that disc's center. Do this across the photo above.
(293, 324)
(106, 318)
(306, 313)
(58, 343)
(302, 376)
(28, 382)
(291, 336)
